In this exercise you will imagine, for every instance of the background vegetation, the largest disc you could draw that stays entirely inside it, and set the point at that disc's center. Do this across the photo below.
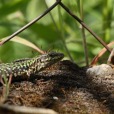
(57, 29)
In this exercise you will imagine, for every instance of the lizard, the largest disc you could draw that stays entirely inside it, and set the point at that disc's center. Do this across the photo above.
(24, 68)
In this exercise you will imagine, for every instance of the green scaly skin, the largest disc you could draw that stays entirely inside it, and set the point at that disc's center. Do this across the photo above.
(29, 66)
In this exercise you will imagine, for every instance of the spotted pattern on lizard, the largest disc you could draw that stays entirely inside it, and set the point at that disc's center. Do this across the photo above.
(29, 66)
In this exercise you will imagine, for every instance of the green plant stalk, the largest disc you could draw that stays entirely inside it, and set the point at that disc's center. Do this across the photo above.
(6, 87)
(62, 33)
(107, 18)
(83, 33)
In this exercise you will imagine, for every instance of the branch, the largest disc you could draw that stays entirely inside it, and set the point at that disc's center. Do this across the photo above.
(85, 26)
(30, 23)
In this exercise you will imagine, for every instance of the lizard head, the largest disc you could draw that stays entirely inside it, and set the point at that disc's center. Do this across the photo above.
(48, 59)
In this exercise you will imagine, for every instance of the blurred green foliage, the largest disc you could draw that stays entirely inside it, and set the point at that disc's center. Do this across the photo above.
(56, 29)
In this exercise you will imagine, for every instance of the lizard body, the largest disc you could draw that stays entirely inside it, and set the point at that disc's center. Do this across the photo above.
(29, 66)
